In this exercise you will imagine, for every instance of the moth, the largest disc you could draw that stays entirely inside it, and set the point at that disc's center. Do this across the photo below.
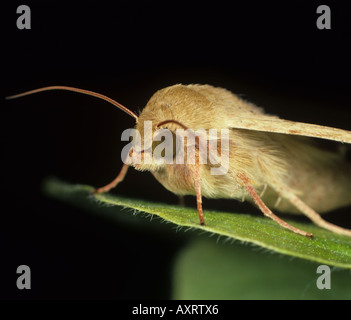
(273, 163)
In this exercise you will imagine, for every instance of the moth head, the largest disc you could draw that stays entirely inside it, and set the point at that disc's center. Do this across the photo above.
(154, 142)
(159, 139)
(153, 146)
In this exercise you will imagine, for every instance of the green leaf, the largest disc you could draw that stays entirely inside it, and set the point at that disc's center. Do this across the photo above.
(208, 270)
(326, 247)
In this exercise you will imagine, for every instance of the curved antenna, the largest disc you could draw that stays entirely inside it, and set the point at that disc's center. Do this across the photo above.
(87, 92)
(162, 123)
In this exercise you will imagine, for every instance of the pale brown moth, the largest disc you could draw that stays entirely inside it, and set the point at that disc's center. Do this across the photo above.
(273, 163)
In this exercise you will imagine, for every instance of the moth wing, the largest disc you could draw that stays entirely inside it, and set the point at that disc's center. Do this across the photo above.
(276, 125)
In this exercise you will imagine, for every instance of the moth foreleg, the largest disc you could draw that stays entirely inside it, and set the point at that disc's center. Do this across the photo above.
(198, 188)
(195, 170)
(115, 182)
(118, 179)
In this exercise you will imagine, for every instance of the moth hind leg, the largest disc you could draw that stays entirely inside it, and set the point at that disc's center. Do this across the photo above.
(312, 214)
(266, 211)
(181, 201)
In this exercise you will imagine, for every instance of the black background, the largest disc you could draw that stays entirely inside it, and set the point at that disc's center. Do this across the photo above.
(271, 53)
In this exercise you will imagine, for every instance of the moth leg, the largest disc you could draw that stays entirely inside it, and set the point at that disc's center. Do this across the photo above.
(279, 199)
(119, 178)
(199, 201)
(313, 215)
(181, 201)
(263, 190)
(195, 154)
(115, 182)
(243, 195)
(267, 212)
